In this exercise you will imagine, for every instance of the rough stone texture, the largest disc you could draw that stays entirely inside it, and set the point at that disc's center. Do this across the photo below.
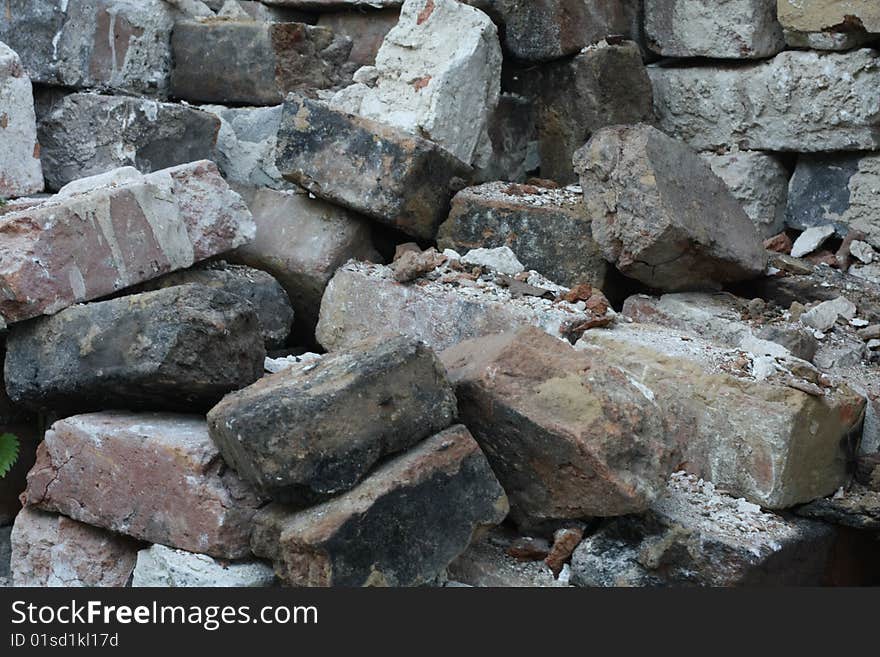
(761, 438)
(604, 85)
(305, 434)
(857, 507)
(811, 239)
(389, 175)
(105, 233)
(695, 535)
(829, 15)
(122, 45)
(486, 563)
(181, 348)
(261, 290)
(271, 59)
(366, 29)
(513, 132)
(302, 241)
(567, 436)
(20, 170)
(841, 190)
(401, 527)
(759, 182)
(543, 30)
(827, 40)
(732, 29)
(246, 145)
(718, 319)
(547, 229)
(441, 62)
(364, 300)
(160, 566)
(500, 259)
(810, 283)
(155, 477)
(52, 550)
(660, 214)
(87, 134)
(797, 101)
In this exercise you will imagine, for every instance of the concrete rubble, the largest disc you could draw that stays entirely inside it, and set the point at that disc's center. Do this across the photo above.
(448, 305)
(439, 293)
(160, 566)
(441, 60)
(97, 235)
(20, 166)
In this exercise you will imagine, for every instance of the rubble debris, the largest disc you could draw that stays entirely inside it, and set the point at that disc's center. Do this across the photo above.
(20, 166)
(447, 306)
(697, 535)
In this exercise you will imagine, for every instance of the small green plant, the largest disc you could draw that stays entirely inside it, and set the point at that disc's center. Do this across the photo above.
(2, 201)
(8, 452)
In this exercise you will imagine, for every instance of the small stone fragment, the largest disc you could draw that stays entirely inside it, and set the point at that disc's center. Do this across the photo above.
(863, 251)
(528, 548)
(825, 315)
(500, 259)
(810, 240)
(565, 541)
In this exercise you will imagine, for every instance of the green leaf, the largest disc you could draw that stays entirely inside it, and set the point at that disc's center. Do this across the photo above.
(8, 452)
